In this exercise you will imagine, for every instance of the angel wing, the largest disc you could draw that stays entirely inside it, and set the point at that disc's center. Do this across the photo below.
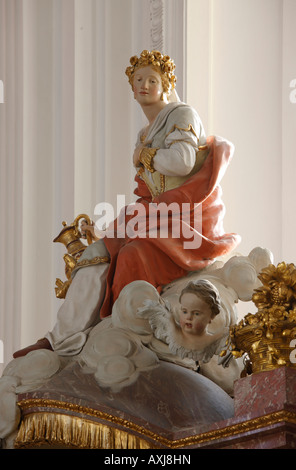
(160, 318)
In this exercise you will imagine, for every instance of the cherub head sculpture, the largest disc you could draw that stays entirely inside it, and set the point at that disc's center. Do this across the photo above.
(200, 303)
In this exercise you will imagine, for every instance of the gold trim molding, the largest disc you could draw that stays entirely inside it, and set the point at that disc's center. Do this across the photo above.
(93, 261)
(55, 427)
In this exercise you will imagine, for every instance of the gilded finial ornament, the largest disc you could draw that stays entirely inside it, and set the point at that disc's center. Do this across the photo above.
(163, 64)
(266, 336)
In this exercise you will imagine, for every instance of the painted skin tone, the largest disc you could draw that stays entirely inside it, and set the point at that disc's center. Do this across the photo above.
(195, 314)
(148, 91)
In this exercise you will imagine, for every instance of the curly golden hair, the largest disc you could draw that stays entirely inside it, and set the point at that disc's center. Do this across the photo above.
(163, 64)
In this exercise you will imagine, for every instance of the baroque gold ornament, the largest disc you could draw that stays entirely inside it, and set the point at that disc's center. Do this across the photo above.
(146, 158)
(70, 236)
(266, 337)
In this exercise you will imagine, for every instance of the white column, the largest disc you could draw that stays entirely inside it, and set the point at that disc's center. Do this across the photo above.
(48, 149)
(11, 163)
(175, 38)
(288, 132)
(107, 119)
(235, 83)
(38, 170)
(63, 73)
(103, 148)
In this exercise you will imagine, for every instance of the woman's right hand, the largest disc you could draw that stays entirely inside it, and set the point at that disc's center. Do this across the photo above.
(136, 156)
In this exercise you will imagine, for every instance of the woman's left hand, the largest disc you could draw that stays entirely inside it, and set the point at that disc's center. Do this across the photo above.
(88, 231)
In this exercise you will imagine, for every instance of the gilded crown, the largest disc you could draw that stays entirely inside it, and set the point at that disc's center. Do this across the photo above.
(266, 337)
(163, 63)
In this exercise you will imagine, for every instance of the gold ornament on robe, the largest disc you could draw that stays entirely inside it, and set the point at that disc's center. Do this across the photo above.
(266, 336)
(146, 158)
(70, 236)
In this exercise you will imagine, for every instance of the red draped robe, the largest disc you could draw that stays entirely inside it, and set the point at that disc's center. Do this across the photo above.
(160, 261)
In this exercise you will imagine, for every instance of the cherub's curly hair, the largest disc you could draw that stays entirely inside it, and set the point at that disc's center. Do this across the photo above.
(205, 290)
(162, 64)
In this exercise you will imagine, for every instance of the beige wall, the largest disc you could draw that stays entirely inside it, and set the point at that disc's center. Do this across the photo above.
(289, 131)
(240, 64)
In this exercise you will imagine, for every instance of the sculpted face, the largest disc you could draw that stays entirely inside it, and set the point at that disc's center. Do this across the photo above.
(147, 86)
(195, 314)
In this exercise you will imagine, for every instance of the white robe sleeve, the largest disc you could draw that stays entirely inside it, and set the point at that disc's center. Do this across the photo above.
(178, 158)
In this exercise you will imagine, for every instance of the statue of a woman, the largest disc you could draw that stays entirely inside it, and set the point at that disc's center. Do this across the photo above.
(178, 172)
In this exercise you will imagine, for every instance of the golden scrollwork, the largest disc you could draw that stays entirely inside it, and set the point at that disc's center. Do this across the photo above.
(189, 128)
(266, 335)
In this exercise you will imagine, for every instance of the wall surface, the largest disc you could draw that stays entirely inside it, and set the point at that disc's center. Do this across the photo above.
(240, 65)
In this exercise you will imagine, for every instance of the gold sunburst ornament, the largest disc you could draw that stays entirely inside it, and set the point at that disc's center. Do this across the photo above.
(266, 336)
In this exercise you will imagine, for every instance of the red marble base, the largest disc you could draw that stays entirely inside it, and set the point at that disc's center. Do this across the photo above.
(265, 392)
(265, 414)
